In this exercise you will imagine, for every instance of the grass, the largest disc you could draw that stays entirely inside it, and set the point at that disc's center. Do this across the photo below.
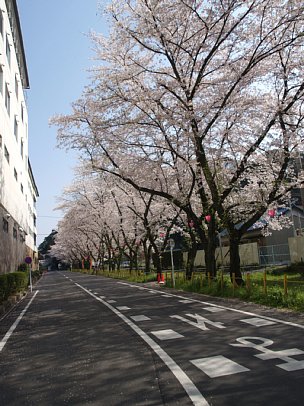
(269, 288)
(260, 287)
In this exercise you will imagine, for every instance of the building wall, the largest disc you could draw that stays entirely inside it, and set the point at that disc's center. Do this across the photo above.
(17, 189)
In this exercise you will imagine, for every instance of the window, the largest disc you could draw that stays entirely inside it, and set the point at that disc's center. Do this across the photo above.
(6, 154)
(8, 51)
(1, 80)
(15, 174)
(5, 225)
(21, 148)
(22, 112)
(16, 127)
(35, 239)
(15, 233)
(21, 187)
(34, 220)
(16, 86)
(7, 100)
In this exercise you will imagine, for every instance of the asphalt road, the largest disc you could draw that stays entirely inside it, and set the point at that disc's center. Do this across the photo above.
(86, 340)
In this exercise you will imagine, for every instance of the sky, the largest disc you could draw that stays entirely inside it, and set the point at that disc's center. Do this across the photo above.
(58, 55)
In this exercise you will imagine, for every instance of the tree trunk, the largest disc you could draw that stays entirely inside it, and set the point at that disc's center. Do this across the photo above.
(235, 263)
(208, 240)
(210, 247)
(210, 261)
(147, 254)
(191, 257)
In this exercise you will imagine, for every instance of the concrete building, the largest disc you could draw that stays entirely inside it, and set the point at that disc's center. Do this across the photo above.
(18, 191)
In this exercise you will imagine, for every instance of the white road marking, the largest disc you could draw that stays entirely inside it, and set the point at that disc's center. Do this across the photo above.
(109, 301)
(17, 321)
(186, 301)
(123, 308)
(140, 317)
(257, 322)
(194, 394)
(200, 321)
(216, 306)
(212, 309)
(290, 364)
(288, 323)
(166, 334)
(218, 366)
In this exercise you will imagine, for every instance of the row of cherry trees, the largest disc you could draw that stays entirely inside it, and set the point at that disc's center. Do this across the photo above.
(200, 104)
(105, 221)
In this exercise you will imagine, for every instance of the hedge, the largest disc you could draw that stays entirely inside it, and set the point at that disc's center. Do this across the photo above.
(11, 283)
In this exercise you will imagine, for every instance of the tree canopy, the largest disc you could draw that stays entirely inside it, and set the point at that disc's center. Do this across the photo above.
(199, 103)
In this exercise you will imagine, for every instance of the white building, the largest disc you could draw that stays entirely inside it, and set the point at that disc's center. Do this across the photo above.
(18, 191)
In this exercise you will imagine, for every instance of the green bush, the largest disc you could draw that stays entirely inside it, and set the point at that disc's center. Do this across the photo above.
(21, 280)
(11, 283)
(3, 288)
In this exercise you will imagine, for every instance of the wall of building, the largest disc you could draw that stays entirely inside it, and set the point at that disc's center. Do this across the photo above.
(17, 191)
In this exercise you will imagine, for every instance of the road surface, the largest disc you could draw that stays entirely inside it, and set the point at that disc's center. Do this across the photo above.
(85, 340)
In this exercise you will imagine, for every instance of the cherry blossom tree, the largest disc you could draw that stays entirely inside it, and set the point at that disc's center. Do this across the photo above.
(199, 103)
(104, 217)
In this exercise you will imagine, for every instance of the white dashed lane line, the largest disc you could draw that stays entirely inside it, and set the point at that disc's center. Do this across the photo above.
(194, 394)
(220, 308)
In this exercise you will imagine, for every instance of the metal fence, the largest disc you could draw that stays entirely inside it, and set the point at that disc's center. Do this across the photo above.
(274, 255)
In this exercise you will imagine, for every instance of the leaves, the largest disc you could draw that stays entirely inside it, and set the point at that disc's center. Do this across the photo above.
(200, 104)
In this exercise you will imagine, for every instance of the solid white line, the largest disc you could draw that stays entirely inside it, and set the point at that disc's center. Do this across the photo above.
(12, 328)
(288, 323)
(194, 394)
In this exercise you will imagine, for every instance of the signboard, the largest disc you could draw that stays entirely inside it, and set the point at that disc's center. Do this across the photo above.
(28, 260)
